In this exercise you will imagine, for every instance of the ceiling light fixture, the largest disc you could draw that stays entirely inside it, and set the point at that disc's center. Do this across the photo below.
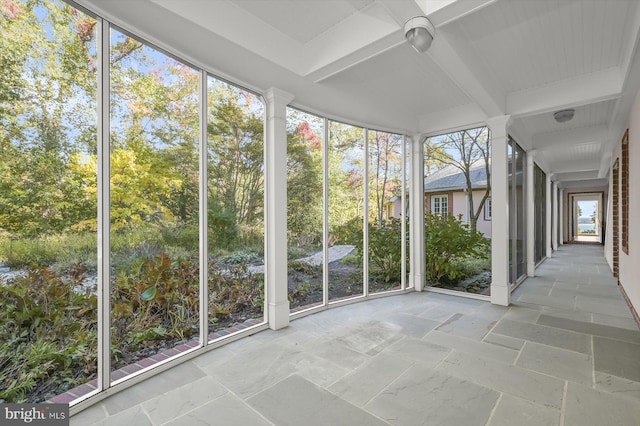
(419, 32)
(564, 115)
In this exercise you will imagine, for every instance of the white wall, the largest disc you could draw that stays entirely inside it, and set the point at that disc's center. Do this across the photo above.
(630, 264)
(460, 208)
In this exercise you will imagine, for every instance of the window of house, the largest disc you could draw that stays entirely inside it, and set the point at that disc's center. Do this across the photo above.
(487, 209)
(440, 205)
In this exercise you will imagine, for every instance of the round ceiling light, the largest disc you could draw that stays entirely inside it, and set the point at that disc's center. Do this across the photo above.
(564, 115)
(419, 32)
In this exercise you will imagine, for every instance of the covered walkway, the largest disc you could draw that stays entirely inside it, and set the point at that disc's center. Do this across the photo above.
(566, 352)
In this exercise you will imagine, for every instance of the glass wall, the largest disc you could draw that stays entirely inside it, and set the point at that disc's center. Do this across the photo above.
(305, 209)
(540, 213)
(346, 210)
(142, 226)
(517, 212)
(235, 207)
(385, 227)
(48, 205)
(457, 177)
(154, 202)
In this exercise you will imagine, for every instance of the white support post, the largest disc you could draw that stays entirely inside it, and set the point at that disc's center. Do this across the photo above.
(561, 218)
(548, 218)
(554, 226)
(276, 208)
(204, 208)
(500, 289)
(104, 212)
(416, 220)
(530, 217)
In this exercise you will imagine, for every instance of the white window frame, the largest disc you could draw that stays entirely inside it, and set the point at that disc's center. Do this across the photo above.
(487, 209)
(440, 211)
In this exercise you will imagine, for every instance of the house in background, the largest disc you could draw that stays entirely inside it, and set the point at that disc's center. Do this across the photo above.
(445, 194)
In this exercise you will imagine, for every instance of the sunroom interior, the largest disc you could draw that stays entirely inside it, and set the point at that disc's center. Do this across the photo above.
(224, 170)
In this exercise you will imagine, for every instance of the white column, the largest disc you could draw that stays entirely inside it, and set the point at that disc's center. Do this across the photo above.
(561, 218)
(416, 207)
(276, 208)
(104, 206)
(554, 227)
(500, 290)
(548, 210)
(530, 218)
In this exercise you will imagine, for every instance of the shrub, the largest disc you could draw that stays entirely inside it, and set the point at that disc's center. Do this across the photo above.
(47, 335)
(223, 231)
(448, 241)
(385, 250)
(65, 249)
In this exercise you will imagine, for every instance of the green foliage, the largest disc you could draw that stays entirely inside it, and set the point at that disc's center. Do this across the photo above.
(239, 258)
(60, 251)
(223, 229)
(385, 250)
(304, 187)
(47, 334)
(48, 321)
(447, 241)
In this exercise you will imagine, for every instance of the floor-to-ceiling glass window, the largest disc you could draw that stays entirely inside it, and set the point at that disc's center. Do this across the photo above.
(457, 204)
(540, 213)
(406, 208)
(517, 212)
(305, 209)
(346, 210)
(235, 216)
(48, 213)
(154, 202)
(385, 222)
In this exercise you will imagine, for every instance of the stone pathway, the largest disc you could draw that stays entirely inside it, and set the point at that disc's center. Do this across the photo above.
(335, 253)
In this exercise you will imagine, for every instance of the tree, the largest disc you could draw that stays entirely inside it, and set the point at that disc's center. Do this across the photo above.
(47, 95)
(465, 150)
(236, 162)
(385, 171)
(346, 178)
(304, 186)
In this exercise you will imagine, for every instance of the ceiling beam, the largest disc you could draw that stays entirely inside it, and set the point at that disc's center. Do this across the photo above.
(586, 89)
(466, 69)
(576, 166)
(452, 11)
(452, 119)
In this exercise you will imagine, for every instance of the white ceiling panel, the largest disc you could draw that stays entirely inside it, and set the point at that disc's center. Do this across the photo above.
(586, 115)
(532, 43)
(401, 76)
(302, 20)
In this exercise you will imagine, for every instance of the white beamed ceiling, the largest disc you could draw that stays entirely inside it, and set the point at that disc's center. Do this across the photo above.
(348, 59)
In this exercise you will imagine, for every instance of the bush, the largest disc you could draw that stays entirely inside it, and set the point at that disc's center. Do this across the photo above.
(223, 231)
(448, 241)
(65, 248)
(48, 321)
(47, 335)
(385, 249)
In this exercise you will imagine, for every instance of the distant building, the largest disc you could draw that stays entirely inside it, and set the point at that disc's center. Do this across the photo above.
(445, 194)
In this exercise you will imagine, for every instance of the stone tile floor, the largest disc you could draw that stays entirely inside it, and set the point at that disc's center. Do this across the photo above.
(566, 352)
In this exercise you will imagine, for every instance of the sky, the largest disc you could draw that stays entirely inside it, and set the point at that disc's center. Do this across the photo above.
(588, 207)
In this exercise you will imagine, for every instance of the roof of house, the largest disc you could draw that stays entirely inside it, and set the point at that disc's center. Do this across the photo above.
(451, 178)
